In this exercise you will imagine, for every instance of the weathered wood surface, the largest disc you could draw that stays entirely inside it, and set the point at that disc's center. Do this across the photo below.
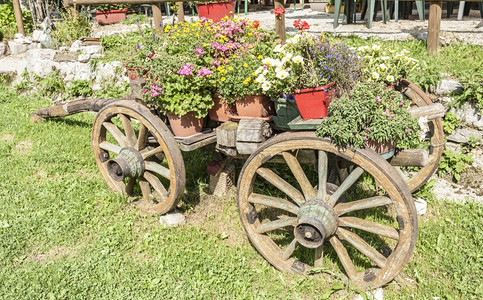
(18, 16)
(197, 141)
(137, 86)
(226, 134)
(434, 26)
(431, 112)
(255, 130)
(410, 157)
(70, 108)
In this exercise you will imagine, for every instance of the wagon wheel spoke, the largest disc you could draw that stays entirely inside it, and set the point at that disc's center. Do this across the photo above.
(273, 202)
(362, 246)
(142, 137)
(299, 174)
(157, 168)
(130, 185)
(344, 257)
(343, 208)
(322, 174)
(110, 147)
(152, 152)
(156, 184)
(145, 190)
(289, 250)
(277, 224)
(369, 226)
(128, 130)
(348, 182)
(318, 256)
(116, 133)
(282, 185)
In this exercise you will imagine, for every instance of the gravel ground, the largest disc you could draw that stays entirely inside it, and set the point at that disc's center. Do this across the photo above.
(451, 30)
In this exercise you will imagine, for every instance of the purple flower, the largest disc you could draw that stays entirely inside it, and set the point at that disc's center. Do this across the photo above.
(203, 72)
(199, 50)
(150, 22)
(186, 69)
(137, 20)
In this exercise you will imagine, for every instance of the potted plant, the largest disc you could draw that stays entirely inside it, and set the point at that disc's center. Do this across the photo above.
(373, 115)
(309, 68)
(215, 10)
(111, 13)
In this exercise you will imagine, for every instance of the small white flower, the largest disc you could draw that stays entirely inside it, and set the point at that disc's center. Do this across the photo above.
(259, 70)
(260, 79)
(282, 74)
(361, 49)
(287, 57)
(266, 86)
(278, 48)
(375, 75)
(267, 61)
(405, 52)
(297, 59)
(277, 63)
(413, 60)
(376, 47)
(265, 72)
(398, 56)
(385, 58)
(390, 78)
(382, 67)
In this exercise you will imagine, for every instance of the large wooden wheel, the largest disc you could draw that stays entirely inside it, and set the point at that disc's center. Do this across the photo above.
(365, 228)
(435, 136)
(138, 156)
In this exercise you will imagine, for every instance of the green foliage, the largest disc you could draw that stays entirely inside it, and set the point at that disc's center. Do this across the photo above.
(73, 26)
(78, 88)
(51, 85)
(8, 24)
(111, 90)
(135, 18)
(372, 112)
(426, 191)
(116, 6)
(450, 122)
(454, 163)
(473, 93)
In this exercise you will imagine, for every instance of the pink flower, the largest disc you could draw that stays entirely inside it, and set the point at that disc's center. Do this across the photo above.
(392, 116)
(409, 131)
(203, 72)
(199, 50)
(186, 69)
(401, 103)
(378, 99)
(385, 112)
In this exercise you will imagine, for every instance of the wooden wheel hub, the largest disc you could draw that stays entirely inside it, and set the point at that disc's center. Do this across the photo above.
(129, 163)
(316, 222)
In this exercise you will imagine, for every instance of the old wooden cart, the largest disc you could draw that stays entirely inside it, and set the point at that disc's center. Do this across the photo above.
(303, 202)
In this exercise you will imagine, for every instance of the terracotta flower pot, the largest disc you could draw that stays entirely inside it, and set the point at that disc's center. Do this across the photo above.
(313, 103)
(221, 111)
(110, 16)
(185, 125)
(257, 106)
(215, 10)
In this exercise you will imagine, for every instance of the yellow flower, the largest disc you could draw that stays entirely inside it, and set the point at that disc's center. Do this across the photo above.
(223, 78)
(245, 65)
(260, 56)
(230, 68)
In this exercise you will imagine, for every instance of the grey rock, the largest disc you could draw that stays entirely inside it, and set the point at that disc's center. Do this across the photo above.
(3, 49)
(62, 56)
(452, 146)
(377, 294)
(446, 87)
(423, 36)
(64, 48)
(83, 58)
(421, 206)
(17, 47)
(172, 219)
(446, 100)
(463, 135)
(470, 115)
(75, 46)
(37, 35)
(18, 36)
(92, 49)
(96, 55)
(96, 87)
(41, 54)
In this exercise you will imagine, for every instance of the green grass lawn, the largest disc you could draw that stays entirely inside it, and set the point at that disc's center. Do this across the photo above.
(64, 234)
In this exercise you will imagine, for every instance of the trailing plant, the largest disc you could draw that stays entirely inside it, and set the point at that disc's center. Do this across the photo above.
(372, 113)
(450, 122)
(454, 163)
(73, 26)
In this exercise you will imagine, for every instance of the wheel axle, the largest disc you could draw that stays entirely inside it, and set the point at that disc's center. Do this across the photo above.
(316, 222)
(129, 163)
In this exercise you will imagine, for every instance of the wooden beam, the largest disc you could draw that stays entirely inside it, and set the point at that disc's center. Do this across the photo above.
(18, 16)
(280, 22)
(158, 18)
(180, 12)
(411, 157)
(431, 112)
(434, 26)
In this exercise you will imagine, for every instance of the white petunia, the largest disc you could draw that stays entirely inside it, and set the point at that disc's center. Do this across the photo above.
(259, 70)
(376, 47)
(282, 74)
(382, 67)
(390, 78)
(260, 78)
(266, 86)
(278, 48)
(298, 59)
(375, 75)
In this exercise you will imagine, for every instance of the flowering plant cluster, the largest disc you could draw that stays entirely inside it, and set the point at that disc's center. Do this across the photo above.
(279, 12)
(108, 7)
(373, 112)
(306, 61)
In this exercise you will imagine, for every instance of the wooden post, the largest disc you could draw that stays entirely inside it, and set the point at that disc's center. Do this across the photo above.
(158, 18)
(180, 12)
(434, 26)
(18, 16)
(280, 22)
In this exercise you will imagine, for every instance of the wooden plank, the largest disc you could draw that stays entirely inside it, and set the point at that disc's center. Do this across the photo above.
(434, 26)
(304, 124)
(431, 112)
(199, 144)
(253, 131)
(411, 157)
(246, 147)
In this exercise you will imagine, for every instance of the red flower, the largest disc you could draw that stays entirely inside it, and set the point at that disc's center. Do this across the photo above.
(256, 24)
(279, 11)
(301, 25)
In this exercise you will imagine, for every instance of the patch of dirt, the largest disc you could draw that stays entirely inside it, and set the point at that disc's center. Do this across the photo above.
(53, 254)
(7, 137)
(219, 215)
(23, 147)
(455, 192)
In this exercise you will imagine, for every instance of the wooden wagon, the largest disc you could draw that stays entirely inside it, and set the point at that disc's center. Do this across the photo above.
(305, 204)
